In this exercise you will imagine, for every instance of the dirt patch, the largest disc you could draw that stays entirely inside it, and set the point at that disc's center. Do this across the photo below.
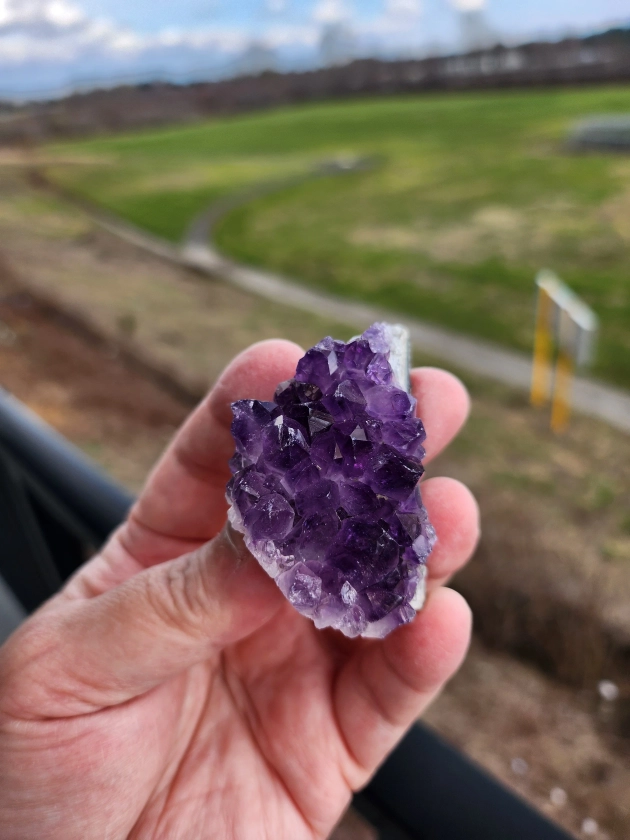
(453, 243)
(549, 744)
(117, 416)
(490, 231)
(25, 158)
(616, 212)
(523, 235)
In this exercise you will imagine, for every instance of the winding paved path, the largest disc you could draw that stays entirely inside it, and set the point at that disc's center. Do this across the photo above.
(471, 354)
(510, 367)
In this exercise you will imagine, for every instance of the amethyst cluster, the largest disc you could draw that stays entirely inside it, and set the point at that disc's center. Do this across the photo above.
(325, 485)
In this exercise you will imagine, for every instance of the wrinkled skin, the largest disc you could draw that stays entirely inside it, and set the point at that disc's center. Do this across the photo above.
(169, 691)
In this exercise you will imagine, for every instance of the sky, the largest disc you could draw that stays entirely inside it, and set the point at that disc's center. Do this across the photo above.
(49, 46)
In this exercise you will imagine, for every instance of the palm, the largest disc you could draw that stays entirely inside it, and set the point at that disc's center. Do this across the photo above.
(229, 747)
(267, 708)
(187, 699)
(262, 713)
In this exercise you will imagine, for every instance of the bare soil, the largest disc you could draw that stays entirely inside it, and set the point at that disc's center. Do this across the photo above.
(537, 736)
(81, 388)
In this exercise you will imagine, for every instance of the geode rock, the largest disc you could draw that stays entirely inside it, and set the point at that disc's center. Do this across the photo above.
(325, 485)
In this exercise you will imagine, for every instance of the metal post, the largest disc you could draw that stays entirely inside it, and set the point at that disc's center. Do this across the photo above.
(541, 369)
(563, 381)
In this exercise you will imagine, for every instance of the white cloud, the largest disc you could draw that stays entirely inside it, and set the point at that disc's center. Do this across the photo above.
(59, 31)
(469, 5)
(330, 11)
(289, 36)
(63, 14)
(58, 34)
(403, 8)
(395, 29)
(43, 16)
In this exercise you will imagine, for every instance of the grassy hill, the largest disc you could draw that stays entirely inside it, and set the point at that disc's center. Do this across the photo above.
(473, 193)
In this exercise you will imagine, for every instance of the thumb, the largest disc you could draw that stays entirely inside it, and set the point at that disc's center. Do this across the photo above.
(79, 656)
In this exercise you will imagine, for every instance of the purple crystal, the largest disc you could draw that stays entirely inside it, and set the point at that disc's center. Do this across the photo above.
(325, 485)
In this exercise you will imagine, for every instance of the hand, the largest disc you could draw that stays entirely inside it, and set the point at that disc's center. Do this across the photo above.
(170, 691)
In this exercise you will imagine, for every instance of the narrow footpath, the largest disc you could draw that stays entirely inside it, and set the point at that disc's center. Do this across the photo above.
(590, 397)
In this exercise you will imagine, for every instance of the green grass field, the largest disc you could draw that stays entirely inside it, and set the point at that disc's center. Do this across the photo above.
(473, 194)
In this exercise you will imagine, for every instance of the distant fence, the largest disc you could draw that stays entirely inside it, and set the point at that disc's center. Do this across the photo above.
(597, 59)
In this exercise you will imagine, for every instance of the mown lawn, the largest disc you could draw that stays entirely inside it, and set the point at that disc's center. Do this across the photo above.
(472, 194)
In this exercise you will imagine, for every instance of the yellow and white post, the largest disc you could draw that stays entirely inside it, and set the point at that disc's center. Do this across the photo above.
(567, 327)
(564, 372)
(543, 345)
